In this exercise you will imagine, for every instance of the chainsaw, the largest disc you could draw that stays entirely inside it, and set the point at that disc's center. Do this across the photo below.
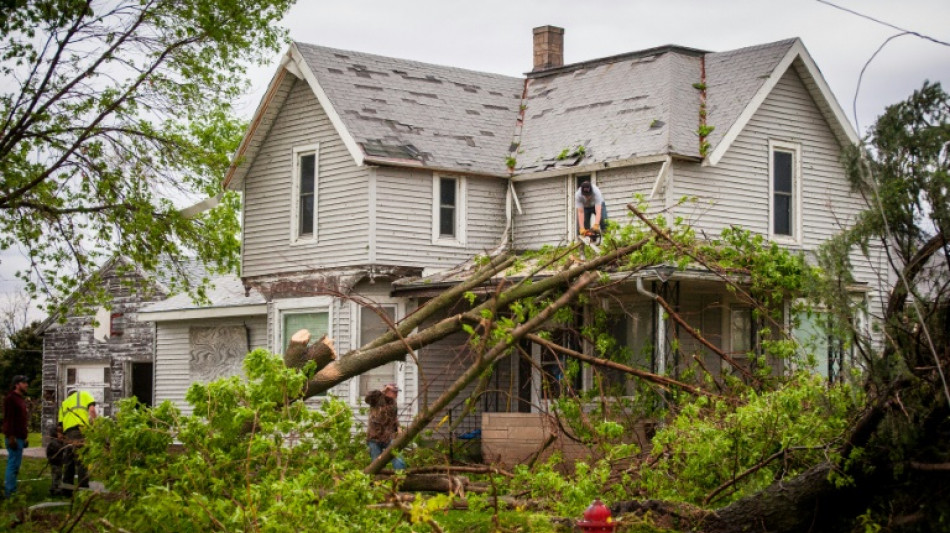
(591, 237)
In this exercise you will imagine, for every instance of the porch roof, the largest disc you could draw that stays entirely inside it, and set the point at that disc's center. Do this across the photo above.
(432, 285)
(226, 297)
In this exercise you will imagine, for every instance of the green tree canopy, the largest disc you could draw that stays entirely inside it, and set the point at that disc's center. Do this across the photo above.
(112, 111)
(23, 354)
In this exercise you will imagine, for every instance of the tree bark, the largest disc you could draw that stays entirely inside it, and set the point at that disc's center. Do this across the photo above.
(300, 352)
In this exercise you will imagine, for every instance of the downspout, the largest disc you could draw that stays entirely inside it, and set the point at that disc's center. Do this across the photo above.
(660, 328)
(510, 163)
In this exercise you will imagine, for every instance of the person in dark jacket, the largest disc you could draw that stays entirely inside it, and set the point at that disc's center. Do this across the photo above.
(15, 418)
(383, 422)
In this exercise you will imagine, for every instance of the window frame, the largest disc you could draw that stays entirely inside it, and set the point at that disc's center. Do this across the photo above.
(296, 238)
(316, 304)
(796, 201)
(460, 208)
(357, 341)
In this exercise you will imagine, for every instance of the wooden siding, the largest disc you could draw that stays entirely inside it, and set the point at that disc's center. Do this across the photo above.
(404, 219)
(72, 343)
(545, 210)
(173, 354)
(441, 363)
(619, 185)
(548, 203)
(343, 215)
(736, 191)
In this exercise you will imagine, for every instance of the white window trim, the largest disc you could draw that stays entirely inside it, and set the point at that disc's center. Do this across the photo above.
(356, 342)
(460, 210)
(796, 151)
(316, 304)
(295, 238)
(572, 212)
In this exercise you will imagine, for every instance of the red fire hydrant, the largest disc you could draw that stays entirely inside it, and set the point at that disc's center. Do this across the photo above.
(597, 519)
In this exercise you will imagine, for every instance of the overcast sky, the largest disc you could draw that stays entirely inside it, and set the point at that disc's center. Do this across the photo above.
(495, 36)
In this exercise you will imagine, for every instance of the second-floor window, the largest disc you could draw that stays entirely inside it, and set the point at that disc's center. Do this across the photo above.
(448, 207)
(304, 219)
(784, 186)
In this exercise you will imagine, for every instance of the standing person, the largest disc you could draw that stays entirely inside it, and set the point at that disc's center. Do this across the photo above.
(77, 411)
(589, 201)
(15, 418)
(383, 422)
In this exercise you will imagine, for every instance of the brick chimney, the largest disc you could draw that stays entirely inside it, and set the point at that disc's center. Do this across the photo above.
(548, 47)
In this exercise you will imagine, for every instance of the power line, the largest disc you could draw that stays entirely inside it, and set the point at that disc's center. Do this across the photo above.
(888, 24)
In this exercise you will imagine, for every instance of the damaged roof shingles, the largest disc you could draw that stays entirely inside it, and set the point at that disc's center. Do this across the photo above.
(640, 104)
(611, 106)
(427, 110)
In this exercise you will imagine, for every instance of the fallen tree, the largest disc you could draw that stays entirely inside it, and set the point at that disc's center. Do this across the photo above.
(761, 452)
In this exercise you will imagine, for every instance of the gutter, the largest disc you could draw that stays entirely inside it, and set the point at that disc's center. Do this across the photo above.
(412, 163)
(593, 167)
(204, 312)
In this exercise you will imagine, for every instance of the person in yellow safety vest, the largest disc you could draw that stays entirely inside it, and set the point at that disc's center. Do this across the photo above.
(76, 412)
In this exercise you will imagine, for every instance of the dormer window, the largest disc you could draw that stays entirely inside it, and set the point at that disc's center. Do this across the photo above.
(448, 209)
(785, 192)
(304, 201)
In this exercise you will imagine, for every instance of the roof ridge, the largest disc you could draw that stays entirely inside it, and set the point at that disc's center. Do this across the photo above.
(646, 52)
(789, 41)
(410, 61)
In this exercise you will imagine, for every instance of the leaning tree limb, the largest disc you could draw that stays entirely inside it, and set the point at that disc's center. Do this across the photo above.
(448, 298)
(498, 351)
(702, 340)
(662, 381)
(357, 361)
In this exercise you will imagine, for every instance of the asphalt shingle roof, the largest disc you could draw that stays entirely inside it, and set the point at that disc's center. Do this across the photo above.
(224, 291)
(645, 103)
(440, 116)
(618, 108)
(733, 78)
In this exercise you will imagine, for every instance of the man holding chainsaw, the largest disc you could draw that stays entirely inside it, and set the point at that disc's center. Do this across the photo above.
(589, 201)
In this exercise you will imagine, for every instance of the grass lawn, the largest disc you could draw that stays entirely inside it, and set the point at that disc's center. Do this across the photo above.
(32, 489)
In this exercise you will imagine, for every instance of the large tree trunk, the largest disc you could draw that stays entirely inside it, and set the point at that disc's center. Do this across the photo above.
(381, 351)
(482, 364)
(300, 352)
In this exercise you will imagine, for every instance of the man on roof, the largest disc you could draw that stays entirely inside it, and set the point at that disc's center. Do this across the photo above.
(589, 201)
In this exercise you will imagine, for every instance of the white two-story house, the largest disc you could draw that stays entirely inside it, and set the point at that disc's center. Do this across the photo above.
(365, 176)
